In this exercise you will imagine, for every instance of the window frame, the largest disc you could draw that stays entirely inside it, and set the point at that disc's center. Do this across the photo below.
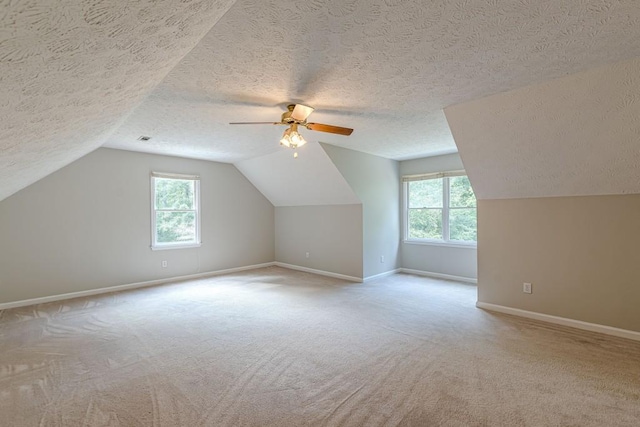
(446, 208)
(155, 246)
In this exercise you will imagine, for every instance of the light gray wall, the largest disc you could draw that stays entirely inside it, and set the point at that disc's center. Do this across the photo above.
(331, 234)
(454, 261)
(579, 253)
(449, 260)
(87, 226)
(375, 181)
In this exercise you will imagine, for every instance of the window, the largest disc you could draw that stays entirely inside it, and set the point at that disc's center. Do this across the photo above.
(175, 216)
(440, 208)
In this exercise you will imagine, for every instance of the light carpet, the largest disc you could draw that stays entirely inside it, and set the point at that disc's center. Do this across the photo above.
(275, 347)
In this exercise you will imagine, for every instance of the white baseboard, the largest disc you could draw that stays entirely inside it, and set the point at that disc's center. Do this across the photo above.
(439, 275)
(117, 288)
(592, 327)
(378, 276)
(319, 272)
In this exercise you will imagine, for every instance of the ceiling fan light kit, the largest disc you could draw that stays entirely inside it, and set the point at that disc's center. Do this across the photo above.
(296, 115)
(292, 138)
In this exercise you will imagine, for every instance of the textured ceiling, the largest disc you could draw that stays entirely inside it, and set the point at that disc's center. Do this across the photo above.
(385, 68)
(577, 135)
(72, 72)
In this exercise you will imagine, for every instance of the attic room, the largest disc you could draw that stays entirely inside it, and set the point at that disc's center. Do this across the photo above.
(440, 231)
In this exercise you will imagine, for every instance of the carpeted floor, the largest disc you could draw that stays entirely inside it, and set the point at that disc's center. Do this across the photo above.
(275, 347)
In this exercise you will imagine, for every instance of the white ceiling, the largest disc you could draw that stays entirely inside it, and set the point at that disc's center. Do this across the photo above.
(74, 75)
(310, 179)
(70, 72)
(573, 136)
(385, 68)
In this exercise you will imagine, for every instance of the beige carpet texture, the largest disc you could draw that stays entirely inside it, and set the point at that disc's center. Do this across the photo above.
(276, 347)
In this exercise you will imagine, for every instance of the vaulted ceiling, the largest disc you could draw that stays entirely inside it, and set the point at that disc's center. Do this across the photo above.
(577, 135)
(311, 179)
(78, 75)
(72, 71)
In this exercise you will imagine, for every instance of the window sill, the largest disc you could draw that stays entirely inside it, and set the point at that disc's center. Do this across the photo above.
(167, 247)
(439, 243)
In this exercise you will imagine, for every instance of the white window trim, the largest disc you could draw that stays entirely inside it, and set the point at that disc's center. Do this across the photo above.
(450, 244)
(155, 246)
(445, 211)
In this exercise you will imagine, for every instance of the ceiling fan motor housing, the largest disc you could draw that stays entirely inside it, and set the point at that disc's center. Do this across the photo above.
(286, 116)
(297, 114)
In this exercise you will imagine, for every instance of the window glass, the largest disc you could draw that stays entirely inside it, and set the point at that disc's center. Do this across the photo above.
(441, 209)
(463, 225)
(425, 194)
(174, 194)
(425, 224)
(173, 227)
(175, 218)
(461, 193)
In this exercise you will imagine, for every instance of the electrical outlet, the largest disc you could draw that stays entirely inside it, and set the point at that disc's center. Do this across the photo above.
(307, 254)
(164, 264)
(381, 258)
(526, 288)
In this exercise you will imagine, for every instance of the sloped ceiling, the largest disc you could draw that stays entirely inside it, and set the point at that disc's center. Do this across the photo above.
(385, 68)
(577, 135)
(70, 72)
(73, 73)
(310, 179)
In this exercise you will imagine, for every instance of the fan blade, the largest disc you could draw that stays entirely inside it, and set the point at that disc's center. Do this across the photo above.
(257, 123)
(328, 128)
(301, 112)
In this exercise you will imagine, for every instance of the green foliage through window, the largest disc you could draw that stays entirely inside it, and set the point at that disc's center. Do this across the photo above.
(175, 210)
(425, 224)
(174, 193)
(442, 209)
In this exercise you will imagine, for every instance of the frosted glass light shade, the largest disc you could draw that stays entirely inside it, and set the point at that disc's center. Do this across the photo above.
(291, 138)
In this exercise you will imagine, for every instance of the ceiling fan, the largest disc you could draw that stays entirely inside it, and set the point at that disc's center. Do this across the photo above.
(296, 115)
